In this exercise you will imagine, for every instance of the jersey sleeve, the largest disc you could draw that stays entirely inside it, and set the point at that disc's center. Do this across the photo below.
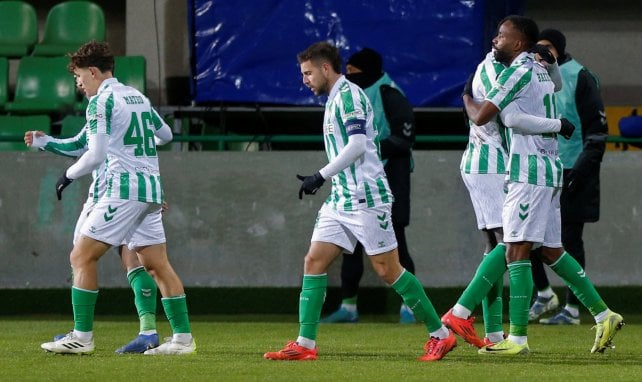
(353, 115)
(511, 83)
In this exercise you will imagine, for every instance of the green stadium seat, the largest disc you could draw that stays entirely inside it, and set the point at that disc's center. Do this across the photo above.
(43, 85)
(18, 28)
(131, 70)
(71, 125)
(4, 81)
(16, 126)
(68, 26)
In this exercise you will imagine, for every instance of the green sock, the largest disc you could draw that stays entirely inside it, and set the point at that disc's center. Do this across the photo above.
(350, 300)
(521, 290)
(493, 306)
(574, 276)
(176, 312)
(491, 269)
(414, 295)
(144, 289)
(310, 304)
(84, 303)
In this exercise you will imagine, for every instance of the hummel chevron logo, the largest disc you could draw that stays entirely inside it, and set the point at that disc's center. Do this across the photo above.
(582, 273)
(407, 129)
(382, 218)
(523, 214)
(146, 292)
(111, 213)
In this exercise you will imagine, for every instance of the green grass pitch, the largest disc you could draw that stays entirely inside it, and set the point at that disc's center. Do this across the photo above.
(230, 348)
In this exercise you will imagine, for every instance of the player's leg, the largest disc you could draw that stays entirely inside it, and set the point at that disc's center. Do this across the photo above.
(98, 234)
(405, 313)
(351, 273)
(524, 216)
(608, 322)
(174, 300)
(574, 246)
(487, 196)
(374, 230)
(315, 279)
(398, 174)
(145, 295)
(546, 300)
(492, 303)
(441, 340)
(329, 239)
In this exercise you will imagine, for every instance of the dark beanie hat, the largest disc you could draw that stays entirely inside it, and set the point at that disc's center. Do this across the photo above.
(556, 38)
(368, 60)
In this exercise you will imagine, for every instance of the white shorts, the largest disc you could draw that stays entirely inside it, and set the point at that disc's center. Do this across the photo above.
(532, 213)
(86, 209)
(372, 227)
(117, 221)
(487, 194)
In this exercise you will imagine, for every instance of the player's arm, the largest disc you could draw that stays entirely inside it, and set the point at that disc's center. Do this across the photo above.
(356, 147)
(526, 124)
(71, 147)
(479, 112)
(401, 119)
(162, 131)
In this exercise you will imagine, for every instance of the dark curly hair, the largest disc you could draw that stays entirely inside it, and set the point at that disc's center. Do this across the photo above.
(93, 53)
(322, 51)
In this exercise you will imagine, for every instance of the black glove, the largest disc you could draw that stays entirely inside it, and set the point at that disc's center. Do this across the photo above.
(62, 183)
(544, 53)
(311, 184)
(567, 128)
(468, 87)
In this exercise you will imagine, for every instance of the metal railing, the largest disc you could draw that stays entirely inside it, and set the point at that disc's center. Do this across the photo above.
(287, 138)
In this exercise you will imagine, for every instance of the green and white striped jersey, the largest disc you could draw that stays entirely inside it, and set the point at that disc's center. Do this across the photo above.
(126, 115)
(487, 150)
(533, 158)
(363, 184)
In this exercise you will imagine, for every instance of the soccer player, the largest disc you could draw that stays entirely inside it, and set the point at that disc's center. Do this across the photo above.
(120, 136)
(531, 208)
(141, 282)
(483, 168)
(395, 123)
(581, 155)
(358, 208)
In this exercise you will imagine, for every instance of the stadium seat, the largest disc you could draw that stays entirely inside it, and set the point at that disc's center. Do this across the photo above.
(71, 125)
(43, 85)
(68, 26)
(4, 81)
(18, 28)
(16, 126)
(131, 70)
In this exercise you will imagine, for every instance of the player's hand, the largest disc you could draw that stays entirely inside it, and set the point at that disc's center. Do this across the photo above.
(311, 184)
(468, 87)
(30, 135)
(164, 207)
(544, 53)
(567, 128)
(61, 184)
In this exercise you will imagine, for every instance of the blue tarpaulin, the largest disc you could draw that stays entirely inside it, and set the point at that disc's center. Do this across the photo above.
(245, 51)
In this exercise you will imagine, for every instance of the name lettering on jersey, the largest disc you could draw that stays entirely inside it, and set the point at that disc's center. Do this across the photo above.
(544, 77)
(133, 100)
